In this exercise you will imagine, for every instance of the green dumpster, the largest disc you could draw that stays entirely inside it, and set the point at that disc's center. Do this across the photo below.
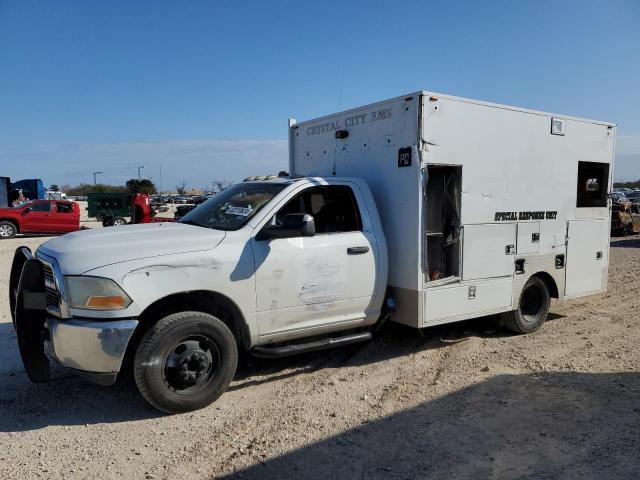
(101, 205)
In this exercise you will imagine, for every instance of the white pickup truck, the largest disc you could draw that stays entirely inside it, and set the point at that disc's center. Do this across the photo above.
(261, 264)
(424, 209)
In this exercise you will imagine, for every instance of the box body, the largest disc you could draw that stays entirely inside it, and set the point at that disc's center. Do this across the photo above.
(475, 198)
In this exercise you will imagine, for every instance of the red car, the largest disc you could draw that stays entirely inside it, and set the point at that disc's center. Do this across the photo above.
(40, 216)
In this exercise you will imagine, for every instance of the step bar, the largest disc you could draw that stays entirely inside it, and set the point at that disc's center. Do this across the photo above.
(295, 349)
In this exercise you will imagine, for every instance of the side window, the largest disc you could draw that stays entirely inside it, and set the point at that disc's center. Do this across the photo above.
(334, 208)
(41, 207)
(593, 182)
(64, 208)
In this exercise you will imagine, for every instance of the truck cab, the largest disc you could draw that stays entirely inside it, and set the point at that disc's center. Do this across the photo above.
(40, 216)
(258, 267)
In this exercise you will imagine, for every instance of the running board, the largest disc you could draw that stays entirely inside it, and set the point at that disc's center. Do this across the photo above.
(286, 350)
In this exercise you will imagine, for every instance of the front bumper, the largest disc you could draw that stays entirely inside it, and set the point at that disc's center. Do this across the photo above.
(91, 348)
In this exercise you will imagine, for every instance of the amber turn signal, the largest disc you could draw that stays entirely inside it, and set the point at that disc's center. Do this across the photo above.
(106, 303)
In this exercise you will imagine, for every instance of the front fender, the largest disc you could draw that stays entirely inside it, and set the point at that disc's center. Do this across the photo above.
(227, 270)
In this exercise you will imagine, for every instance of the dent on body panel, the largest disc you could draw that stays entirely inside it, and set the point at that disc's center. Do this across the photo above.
(321, 281)
(147, 284)
(300, 274)
(177, 269)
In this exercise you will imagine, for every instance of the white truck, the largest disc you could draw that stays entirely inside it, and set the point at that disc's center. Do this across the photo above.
(423, 209)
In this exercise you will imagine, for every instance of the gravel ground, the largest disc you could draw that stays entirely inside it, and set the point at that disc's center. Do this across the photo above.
(460, 400)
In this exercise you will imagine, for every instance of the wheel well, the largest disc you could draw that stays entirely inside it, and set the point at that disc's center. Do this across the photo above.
(549, 282)
(12, 222)
(204, 301)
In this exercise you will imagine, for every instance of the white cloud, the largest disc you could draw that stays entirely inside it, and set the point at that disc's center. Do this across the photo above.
(197, 162)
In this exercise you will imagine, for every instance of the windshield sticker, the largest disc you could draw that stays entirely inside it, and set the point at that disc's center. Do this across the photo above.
(242, 211)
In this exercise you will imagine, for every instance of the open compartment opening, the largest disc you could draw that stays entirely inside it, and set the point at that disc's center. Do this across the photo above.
(444, 187)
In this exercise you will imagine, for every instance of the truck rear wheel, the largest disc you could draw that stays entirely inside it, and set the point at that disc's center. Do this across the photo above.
(7, 230)
(533, 308)
(185, 362)
(119, 221)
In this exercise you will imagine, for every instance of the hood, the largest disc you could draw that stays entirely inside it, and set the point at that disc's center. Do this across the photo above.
(79, 252)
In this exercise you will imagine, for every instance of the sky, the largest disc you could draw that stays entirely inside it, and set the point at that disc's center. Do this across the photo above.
(202, 90)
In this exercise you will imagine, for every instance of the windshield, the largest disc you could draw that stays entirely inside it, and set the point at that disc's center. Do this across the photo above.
(233, 207)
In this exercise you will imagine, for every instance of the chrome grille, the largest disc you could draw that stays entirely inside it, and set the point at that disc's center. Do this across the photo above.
(51, 291)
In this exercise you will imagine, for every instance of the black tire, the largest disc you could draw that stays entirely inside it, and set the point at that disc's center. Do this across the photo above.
(100, 216)
(7, 230)
(533, 308)
(118, 221)
(176, 379)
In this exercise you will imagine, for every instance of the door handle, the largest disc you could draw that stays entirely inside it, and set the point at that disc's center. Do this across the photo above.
(357, 250)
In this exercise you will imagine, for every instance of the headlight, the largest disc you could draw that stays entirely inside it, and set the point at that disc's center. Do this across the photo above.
(95, 293)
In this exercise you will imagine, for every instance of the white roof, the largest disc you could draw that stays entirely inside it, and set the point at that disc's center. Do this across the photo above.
(465, 100)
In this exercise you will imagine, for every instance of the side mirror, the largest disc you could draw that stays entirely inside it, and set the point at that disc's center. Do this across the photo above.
(293, 225)
(26, 210)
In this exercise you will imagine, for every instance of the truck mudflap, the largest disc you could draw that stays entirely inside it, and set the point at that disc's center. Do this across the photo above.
(28, 311)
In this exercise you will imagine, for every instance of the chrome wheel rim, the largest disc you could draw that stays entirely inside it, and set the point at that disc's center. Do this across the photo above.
(5, 231)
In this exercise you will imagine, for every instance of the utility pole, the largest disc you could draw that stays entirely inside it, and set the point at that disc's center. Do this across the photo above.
(95, 181)
(139, 167)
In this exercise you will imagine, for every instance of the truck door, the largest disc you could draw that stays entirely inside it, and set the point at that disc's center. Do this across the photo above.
(37, 219)
(586, 266)
(323, 280)
(66, 219)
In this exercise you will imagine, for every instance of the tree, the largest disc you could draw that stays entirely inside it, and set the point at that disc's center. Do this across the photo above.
(220, 185)
(83, 189)
(635, 184)
(54, 188)
(141, 186)
(181, 188)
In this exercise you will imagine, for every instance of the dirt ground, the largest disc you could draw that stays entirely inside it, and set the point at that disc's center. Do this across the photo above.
(455, 401)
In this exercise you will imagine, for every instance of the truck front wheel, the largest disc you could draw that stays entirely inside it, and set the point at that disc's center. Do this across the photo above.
(533, 308)
(7, 230)
(185, 362)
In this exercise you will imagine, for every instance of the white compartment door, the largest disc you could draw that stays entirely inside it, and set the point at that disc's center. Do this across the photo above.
(449, 303)
(528, 238)
(586, 263)
(488, 250)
